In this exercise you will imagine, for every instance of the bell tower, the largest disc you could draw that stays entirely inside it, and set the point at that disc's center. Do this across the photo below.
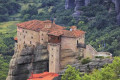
(54, 53)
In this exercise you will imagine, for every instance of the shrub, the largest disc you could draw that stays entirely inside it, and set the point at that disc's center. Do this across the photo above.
(85, 61)
(101, 57)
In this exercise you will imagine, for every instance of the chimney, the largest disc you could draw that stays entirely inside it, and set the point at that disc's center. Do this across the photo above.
(48, 23)
(73, 28)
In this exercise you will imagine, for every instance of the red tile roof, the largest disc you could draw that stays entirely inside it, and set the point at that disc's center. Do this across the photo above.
(15, 39)
(75, 33)
(43, 76)
(37, 25)
(56, 32)
(67, 33)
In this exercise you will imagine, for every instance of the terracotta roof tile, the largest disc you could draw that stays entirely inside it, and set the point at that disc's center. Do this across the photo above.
(38, 25)
(15, 39)
(56, 33)
(75, 33)
(43, 76)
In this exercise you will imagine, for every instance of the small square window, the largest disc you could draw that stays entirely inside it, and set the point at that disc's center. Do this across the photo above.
(52, 55)
(30, 42)
(24, 36)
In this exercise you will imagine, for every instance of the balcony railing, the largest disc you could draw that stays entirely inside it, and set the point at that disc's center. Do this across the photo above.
(79, 45)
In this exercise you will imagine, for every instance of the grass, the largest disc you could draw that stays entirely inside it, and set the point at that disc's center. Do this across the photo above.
(8, 27)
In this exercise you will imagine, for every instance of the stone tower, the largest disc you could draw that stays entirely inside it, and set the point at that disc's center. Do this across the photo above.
(54, 59)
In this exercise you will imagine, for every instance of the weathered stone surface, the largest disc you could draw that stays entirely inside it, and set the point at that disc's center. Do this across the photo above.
(76, 4)
(21, 67)
(94, 64)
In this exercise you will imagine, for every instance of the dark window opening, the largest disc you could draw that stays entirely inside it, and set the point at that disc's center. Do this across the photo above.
(77, 42)
(52, 55)
(52, 48)
(23, 30)
(26, 31)
(41, 39)
(51, 61)
(30, 42)
(24, 42)
(24, 36)
(58, 38)
(31, 37)
(42, 34)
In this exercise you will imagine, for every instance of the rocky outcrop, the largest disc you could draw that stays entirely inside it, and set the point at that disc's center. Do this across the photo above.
(21, 63)
(94, 64)
(76, 4)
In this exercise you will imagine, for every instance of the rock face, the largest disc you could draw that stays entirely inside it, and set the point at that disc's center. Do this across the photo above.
(21, 63)
(117, 6)
(76, 4)
(94, 64)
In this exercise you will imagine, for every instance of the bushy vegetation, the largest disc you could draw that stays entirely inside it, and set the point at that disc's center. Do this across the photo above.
(4, 64)
(8, 8)
(85, 61)
(109, 72)
(7, 34)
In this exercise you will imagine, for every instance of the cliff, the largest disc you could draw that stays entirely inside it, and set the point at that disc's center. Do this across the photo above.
(20, 65)
(77, 4)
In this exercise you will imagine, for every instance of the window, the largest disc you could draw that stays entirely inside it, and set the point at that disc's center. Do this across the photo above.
(23, 30)
(58, 38)
(41, 39)
(24, 42)
(77, 42)
(31, 37)
(51, 61)
(52, 48)
(42, 34)
(26, 31)
(52, 55)
(24, 36)
(30, 42)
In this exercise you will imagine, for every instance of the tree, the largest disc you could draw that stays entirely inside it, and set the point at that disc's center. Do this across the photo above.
(71, 74)
(109, 72)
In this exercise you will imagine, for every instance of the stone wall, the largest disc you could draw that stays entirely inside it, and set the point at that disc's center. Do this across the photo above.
(69, 43)
(92, 53)
(89, 52)
(43, 37)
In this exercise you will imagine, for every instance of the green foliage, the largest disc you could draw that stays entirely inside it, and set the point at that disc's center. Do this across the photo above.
(85, 61)
(101, 57)
(8, 8)
(4, 64)
(109, 72)
(7, 34)
(71, 74)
